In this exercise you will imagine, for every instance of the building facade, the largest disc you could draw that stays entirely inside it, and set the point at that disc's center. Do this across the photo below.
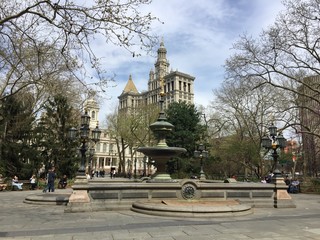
(178, 86)
(309, 108)
(106, 155)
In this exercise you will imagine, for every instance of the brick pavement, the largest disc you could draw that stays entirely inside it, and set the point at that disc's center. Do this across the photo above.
(19, 220)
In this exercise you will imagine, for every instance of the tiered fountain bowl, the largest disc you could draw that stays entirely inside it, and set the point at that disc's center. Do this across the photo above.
(161, 153)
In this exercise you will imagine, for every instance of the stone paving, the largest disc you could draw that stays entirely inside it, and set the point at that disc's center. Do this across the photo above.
(19, 220)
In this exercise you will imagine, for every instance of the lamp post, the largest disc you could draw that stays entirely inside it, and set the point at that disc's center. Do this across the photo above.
(91, 154)
(129, 168)
(201, 153)
(85, 138)
(114, 159)
(273, 142)
(144, 165)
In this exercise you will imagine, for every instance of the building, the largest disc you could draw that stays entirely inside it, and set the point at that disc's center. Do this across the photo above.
(106, 156)
(309, 107)
(293, 165)
(178, 86)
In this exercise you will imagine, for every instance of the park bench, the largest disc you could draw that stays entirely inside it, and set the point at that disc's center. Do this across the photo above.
(230, 180)
(26, 185)
(3, 186)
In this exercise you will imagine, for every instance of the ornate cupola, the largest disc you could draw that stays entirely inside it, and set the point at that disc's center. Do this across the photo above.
(162, 64)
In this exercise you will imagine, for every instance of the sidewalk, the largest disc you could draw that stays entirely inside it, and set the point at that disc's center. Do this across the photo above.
(24, 221)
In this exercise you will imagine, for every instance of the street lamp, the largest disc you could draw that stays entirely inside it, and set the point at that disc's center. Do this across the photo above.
(85, 138)
(144, 165)
(129, 168)
(91, 154)
(201, 153)
(273, 142)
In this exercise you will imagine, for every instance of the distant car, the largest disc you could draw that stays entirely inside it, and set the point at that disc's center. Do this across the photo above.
(194, 177)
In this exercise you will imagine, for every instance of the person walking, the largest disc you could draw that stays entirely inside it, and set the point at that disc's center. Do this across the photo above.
(51, 178)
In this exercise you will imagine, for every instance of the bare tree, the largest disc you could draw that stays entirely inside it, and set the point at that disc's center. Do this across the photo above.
(244, 115)
(287, 56)
(284, 54)
(131, 130)
(44, 40)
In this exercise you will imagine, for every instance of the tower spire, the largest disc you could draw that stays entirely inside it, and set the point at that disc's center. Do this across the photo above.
(162, 64)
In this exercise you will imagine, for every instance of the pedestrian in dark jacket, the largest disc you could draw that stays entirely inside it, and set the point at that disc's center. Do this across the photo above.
(51, 178)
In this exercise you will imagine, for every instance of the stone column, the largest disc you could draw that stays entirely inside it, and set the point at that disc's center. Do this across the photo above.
(282, 198)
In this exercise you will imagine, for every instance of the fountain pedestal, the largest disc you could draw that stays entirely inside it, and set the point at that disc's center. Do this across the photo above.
(161, 155)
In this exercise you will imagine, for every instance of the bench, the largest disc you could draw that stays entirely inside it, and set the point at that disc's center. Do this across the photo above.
(230, 180)
(3, 186)
(26, 185)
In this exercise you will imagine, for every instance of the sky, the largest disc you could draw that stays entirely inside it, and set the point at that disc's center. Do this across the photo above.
(198, 36)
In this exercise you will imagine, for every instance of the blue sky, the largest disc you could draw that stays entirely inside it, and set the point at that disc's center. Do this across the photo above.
(198, 36)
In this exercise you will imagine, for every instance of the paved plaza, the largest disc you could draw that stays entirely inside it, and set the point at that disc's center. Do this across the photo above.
(19, 220)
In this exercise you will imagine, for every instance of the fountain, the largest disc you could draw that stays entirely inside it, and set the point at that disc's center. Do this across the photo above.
(180, 198)
(186, 203)
(161, 153)
(164, 196)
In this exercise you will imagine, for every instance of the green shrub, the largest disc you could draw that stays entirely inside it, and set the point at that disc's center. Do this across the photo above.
(310, 185)
(316, 184)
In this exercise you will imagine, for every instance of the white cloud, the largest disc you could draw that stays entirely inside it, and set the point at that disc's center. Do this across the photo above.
(198, 35)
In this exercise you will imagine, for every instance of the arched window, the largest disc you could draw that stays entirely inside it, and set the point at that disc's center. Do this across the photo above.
(93, 115)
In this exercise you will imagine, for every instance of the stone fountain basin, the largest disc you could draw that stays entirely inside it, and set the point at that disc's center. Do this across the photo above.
(194, 208)
(161, 152)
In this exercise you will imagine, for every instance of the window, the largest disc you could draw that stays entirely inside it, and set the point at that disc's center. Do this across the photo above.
(114, 161)
(111, 148)
(104, 148)
(101, 160)
(108, 161)
(93, 115)
(98, 147)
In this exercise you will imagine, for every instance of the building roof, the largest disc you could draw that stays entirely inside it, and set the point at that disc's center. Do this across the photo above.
(130, 87)
(177, 73)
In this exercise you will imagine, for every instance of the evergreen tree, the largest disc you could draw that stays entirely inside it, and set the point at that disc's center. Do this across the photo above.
(16, 123)
(188, 129)
(57, 148)
(187, 133)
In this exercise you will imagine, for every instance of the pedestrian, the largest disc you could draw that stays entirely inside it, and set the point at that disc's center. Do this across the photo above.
(51, 178)
(270, 176)
(63, 182)
(15, 183)
(88, 176)
(33, 182)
